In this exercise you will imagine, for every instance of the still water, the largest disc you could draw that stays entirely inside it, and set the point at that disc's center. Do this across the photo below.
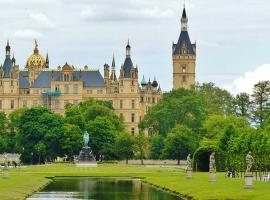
(101, 189)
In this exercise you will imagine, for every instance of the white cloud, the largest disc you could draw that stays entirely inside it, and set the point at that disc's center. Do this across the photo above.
(42, 20)
(246, 82)
(27, 34)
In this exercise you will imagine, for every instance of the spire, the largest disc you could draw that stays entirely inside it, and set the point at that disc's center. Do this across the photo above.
(184, 20)
(8, 49)
(113, 75)
(13, 60)
(47, 60)
(36, 51)
(128, 48)
(143, 82)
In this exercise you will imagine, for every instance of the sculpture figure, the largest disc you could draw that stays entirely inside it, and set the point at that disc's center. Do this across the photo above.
(212, 163)
(249, 161)
(189, 163)
(86, 139)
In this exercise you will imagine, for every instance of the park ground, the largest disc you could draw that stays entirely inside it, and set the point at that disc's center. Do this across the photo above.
(24, 181)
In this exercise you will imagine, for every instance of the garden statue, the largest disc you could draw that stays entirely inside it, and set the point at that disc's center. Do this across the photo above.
(249, 161)
(189, 162)
(248, 174)
(86, 139)
(212, 167)
(189, 167)
(86, 157)
(212, 163)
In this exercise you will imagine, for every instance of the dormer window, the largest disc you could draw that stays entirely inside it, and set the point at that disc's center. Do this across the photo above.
(66, 77)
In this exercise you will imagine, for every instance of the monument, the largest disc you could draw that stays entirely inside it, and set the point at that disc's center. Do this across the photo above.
(248, 174)
(212, 168)
(5, 169)
(86, 157)
(189, 167)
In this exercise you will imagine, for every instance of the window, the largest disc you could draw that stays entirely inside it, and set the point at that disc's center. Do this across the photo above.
(132, 90)
(12, 104)
(25, 103)
(0, 104)
(121, 115)
(133, 117)
(57, 104)
(75, 89)
(11, 83)
(133, 131)
(122, 83)
(66, 77)
(133, 104)
(184, 79)
(100, 91)
(153, 100)
(75, 102)
(142, 99)
(132, 82)
(89, 91)
(66, 89)
(57, 87)
(184, 69)
(121, 104)
(1, 83)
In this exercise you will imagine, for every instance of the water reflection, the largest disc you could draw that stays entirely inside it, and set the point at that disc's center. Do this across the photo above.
(101, 189)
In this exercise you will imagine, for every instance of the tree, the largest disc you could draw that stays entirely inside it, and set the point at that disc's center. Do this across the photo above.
(40, 151)
(179, 143)
(3, 133)
(39, 125)
(72, 140)
(177, 107)
(157, 145)
(124, 146)
(218, 101)
(242, 105)
(141, 146)
(260, 101)
(102, 133)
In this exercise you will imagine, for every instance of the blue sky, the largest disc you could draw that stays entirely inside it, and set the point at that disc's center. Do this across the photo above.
(232, 36)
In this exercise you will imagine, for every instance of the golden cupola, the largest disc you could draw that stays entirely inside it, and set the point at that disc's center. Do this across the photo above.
(36, 61)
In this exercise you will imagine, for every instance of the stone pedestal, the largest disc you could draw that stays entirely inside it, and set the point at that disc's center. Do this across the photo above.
(5, 172)
(86, 158)
(189, 174)
(248, 181)
(213, 177)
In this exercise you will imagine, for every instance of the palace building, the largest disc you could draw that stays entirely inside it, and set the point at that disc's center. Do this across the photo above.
(184, 58)
(38, 84)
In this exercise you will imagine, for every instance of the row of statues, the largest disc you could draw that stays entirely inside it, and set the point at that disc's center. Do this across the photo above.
(212, 162)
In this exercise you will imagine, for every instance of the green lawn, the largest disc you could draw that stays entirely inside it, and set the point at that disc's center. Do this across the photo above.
(23, 182)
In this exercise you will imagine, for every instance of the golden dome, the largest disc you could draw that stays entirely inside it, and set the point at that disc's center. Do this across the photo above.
(36, 60)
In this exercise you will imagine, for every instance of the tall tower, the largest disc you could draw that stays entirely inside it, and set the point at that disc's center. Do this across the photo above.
(184, 58)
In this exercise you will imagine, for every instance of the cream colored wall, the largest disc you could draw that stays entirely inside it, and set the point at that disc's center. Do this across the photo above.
(178, 62)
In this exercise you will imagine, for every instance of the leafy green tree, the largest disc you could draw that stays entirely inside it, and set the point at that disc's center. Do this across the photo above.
(157, 145)
(242, 105)
(39, 125)
(141, 146)
(218, 101)
(181, 106)
(124, 146)
(3, 133)
(40, 151)
(72, 140)
(260, 101)
(179, 143)
(102, 133)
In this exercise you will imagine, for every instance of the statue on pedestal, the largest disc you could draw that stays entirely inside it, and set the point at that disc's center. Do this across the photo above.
(212, 163)
(249, 161)
(5, 169)
(248, 174)
(189, 167)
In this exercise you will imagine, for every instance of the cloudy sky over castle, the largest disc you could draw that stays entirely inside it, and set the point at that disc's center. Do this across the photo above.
(232, 36)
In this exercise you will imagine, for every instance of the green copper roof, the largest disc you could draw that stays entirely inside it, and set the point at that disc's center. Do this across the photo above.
(143, 81)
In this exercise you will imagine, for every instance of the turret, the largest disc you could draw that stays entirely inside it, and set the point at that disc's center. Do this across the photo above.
(113, 75)
(184, 21)
(8, 50)
(47, 61)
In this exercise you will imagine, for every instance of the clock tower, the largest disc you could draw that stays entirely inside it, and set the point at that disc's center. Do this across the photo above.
(184, 58)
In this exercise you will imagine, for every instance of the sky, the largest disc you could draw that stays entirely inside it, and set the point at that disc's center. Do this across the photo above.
(232, 37)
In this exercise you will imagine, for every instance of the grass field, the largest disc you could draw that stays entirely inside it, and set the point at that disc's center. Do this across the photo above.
(25, 181)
